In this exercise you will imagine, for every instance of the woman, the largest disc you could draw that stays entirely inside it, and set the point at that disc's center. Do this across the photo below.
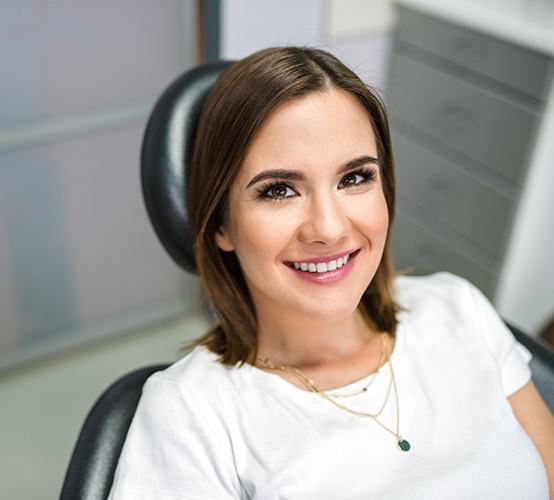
(326, 376)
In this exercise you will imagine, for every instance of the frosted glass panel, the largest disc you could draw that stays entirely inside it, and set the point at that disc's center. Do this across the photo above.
(76, 246)
(36, 276)
(61, 58)
(78, 257)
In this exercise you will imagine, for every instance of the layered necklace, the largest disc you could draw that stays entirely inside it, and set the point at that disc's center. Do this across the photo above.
(402, 443)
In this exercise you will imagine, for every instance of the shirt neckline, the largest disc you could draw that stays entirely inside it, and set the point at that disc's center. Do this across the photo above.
(276, 380)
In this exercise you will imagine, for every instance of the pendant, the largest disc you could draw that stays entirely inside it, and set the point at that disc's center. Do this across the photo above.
(403, 445)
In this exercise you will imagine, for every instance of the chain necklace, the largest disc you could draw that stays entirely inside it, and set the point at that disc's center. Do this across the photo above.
(402, 443)
(373, 375)
(310, 384)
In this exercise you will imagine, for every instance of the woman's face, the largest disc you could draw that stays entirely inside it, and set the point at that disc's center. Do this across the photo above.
(326, 200)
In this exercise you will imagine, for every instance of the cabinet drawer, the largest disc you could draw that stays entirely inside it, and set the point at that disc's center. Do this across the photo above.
(413, 245)
(489, 129)
(517, 67)
(451, 194)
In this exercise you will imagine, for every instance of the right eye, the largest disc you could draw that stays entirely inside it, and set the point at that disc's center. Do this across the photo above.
(275, 192)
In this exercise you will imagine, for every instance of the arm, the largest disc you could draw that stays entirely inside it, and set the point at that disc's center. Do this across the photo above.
(535, 417)
(512, 359)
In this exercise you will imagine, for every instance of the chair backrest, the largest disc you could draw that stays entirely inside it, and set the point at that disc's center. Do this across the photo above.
(96, 453)
(165, 157)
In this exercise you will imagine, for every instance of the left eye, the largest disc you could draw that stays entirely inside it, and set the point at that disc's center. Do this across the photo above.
(353, 177)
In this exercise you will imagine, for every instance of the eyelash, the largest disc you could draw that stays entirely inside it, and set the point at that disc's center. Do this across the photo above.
(367, 174)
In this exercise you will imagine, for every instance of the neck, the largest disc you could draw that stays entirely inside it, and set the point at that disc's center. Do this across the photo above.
(301, 341)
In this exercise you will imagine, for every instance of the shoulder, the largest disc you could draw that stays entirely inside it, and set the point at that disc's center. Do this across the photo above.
(435, 292)
(447, 299)
(199, 365)
(437, 306)
(197, 377)
(449, 306)
(178, 437)
(192, 393)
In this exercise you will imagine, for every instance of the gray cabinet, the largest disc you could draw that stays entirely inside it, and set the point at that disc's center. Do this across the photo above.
(465, 109)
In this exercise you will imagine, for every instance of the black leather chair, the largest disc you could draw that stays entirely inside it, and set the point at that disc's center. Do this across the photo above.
(164, 166)
(165, 156)
(92, 465)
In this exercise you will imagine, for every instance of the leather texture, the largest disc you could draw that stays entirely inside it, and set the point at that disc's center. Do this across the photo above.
(96, 453)
(165, 158)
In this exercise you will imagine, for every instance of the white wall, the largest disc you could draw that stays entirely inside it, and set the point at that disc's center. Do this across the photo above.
(357, 31)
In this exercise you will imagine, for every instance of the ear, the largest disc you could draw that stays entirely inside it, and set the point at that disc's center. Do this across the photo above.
(223, 241)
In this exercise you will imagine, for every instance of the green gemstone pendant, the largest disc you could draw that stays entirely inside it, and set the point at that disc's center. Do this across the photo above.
(404, 445)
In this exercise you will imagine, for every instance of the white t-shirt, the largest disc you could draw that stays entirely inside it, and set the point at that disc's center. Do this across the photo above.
(206, 431)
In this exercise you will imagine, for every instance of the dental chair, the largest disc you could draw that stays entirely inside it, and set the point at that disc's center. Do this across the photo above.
(165, 159)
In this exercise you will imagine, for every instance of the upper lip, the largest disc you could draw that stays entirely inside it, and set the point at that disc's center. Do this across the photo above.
(324, 258)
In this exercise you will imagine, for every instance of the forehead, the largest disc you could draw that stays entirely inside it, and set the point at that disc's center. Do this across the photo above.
(320, 130)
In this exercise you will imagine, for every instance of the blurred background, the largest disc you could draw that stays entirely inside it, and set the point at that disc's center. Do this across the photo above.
(87, 292)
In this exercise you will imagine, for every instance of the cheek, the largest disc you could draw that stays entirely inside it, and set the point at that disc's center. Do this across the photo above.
(262, 234)
(373, 217)
(382, 217)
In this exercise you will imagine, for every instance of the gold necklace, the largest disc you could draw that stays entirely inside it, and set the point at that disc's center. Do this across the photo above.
(402, 443)
(373, 375)
(310, 384)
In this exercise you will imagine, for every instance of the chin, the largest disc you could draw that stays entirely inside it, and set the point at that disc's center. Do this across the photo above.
(329, 314)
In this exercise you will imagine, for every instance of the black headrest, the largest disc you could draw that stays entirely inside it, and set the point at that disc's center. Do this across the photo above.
(165, 158)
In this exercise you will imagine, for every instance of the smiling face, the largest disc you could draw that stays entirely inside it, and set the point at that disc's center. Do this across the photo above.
(327, 201)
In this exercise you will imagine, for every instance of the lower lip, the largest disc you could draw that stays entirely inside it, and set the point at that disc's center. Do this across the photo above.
(329, 276)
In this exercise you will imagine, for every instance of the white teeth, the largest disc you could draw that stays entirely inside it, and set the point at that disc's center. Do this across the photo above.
(322, 267)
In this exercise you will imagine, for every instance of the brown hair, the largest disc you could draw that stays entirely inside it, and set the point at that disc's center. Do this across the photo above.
(242, 98)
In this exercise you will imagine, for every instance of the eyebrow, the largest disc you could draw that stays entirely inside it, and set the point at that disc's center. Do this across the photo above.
(294, 175)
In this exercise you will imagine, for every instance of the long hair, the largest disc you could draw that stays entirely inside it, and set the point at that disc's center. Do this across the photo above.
(243, 97)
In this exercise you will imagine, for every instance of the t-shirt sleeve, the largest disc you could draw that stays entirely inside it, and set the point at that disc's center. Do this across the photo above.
(511, 357)
(171, 452)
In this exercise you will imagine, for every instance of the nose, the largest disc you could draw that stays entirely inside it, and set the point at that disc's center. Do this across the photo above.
(325, 221)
